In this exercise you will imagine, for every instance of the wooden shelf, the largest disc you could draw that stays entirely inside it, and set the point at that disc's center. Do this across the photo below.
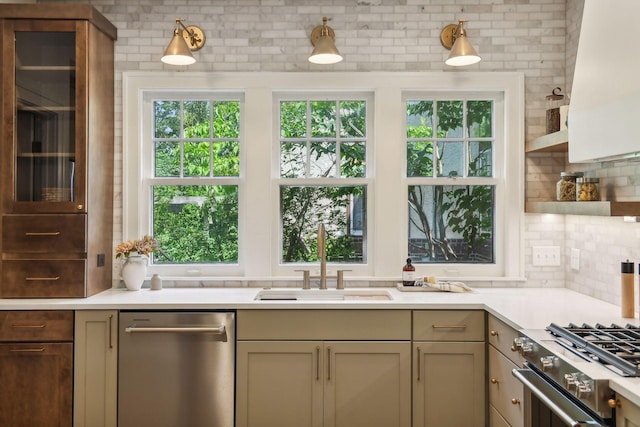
(557, 142)
(585, 208)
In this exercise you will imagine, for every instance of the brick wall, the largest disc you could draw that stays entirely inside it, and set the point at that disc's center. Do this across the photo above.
(537, 37)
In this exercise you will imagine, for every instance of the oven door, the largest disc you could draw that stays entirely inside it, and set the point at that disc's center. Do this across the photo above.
(548, 406)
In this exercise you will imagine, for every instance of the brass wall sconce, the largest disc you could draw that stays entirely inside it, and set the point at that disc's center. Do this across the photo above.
(184, 41)
(454, 37)
(325, 50)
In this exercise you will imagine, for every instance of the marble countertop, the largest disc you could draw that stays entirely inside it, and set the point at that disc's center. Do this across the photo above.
(522, 308)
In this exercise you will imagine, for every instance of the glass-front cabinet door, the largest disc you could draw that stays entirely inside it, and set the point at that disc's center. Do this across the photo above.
(45, 70)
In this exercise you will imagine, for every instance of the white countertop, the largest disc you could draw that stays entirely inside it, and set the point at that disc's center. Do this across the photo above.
(522, 308)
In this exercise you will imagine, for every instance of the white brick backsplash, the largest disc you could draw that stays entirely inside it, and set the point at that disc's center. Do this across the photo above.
(537, 37)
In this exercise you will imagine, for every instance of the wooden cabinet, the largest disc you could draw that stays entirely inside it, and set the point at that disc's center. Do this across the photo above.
(449, 368)
(36, 368)
(627, 413)
(363, 380)
(96, 369)
(506, 393)
(57, 114)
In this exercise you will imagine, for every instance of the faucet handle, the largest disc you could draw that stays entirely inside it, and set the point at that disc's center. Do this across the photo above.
(340, 279)
(306, 279)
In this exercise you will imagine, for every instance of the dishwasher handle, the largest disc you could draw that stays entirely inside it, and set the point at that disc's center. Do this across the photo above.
(215, 330)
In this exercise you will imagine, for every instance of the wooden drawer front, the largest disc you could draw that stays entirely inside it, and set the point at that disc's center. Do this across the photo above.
(501, 336)
(505, 391)
(495, 419)
(36, 326)
(42, 278)
(44, 233)
(324, 325)
(449, 325)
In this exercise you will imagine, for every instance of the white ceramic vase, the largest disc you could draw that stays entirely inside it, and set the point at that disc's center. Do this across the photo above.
(134, 271)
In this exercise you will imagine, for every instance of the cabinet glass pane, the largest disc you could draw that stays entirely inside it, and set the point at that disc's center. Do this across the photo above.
(45, 116)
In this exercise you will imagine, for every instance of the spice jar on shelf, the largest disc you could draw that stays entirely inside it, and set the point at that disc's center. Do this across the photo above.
(587, 189)
(566, 187)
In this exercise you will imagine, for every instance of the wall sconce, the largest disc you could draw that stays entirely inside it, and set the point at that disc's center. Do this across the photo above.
(454, 37)
(184, 41)
(323, 39)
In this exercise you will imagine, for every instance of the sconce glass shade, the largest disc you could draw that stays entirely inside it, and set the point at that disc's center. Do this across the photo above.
(462, 53)
(178, 53)
(325, 50)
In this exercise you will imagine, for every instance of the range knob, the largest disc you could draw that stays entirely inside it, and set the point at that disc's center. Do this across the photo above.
(522, 344)
(571, 380)
(547, 363)
(585, 388)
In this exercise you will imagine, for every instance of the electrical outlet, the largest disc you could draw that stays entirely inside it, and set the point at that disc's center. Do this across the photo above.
(575, 259)
(546, 256)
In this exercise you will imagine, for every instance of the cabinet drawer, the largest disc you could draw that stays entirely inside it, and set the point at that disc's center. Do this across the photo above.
(36, 326)
(505, 391)
(44, 233)
(448, 325)
(324, 325)
(501, 336)
(43, 278)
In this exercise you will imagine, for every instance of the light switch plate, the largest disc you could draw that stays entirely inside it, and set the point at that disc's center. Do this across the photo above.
(546, 256)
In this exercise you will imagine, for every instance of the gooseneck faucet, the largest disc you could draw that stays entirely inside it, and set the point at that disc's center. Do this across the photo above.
(322, 254)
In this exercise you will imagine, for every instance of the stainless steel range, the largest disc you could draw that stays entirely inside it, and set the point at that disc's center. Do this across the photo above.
(567, 370)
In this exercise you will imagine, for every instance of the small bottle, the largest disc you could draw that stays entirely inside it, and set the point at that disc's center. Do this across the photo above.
(627, 300)
(408, 274)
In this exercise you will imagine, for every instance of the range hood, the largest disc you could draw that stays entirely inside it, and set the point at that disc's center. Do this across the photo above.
(604, 117)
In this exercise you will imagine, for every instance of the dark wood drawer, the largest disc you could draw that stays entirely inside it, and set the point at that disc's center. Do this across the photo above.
(36, 326)
(44, 233)
(43, 278)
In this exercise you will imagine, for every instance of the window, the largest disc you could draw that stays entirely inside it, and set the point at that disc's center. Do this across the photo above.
(451, 193)
(322, 163)
(234, 182)
(193, 181)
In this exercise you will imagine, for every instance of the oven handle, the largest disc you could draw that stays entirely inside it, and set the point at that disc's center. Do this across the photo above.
(559, 404)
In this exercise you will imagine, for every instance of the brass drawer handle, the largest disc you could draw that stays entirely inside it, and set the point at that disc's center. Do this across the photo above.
(27, 350)
(50, 279)
(49, 233)
(39, 326)
(449, 326)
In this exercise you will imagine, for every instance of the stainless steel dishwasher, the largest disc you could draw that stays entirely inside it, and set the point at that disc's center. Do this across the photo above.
(176, 369)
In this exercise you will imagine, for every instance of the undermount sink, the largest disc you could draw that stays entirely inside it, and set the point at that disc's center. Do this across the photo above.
(322, 294)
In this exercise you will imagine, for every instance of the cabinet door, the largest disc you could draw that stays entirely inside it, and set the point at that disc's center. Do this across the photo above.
(279, 384)
(367, 384)
(96, 369)
(628, 414)
(37, 384)
(448, 384)
(44, 134)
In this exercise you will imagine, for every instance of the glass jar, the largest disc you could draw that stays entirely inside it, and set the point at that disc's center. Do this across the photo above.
(566, 187)
(587, 189)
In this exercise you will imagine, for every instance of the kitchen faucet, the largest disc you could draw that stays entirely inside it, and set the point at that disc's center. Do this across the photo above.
(322, 254)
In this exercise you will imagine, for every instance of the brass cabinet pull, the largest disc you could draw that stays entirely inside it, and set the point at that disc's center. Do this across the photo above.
(42, 279)
(110, 331)
(34, 233)
(318, 363)
(328, 363)
(419, 367)
(39, 326)
(449, 326)
(27, 350)
(515, 401)
(493, 333)
(494, 381)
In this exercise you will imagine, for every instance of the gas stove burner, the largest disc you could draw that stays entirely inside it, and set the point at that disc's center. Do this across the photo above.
(616, 347)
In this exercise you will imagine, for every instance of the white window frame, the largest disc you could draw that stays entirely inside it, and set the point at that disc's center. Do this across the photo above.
(258, 227)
